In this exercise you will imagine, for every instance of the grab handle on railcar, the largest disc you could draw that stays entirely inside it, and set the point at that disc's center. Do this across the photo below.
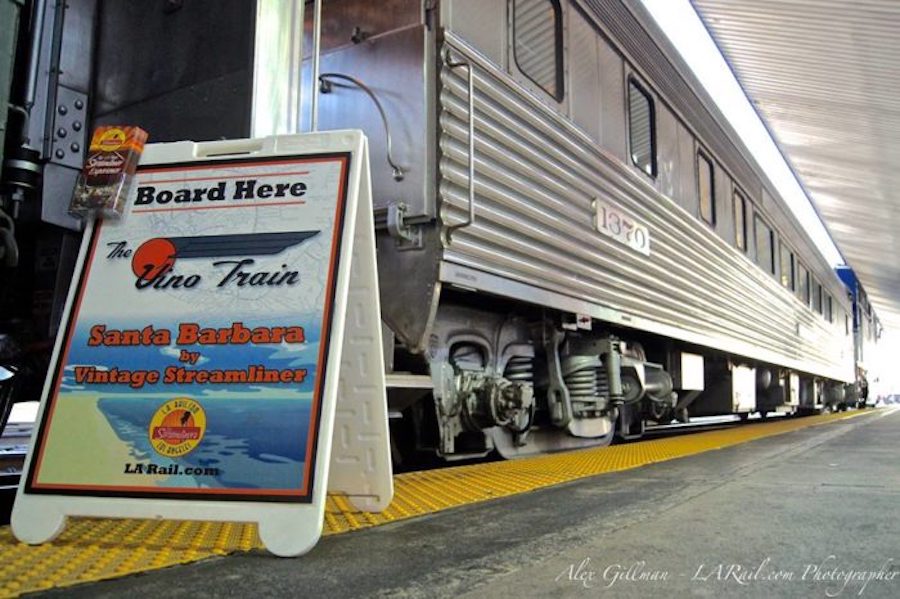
(325, 85)
(471, 90)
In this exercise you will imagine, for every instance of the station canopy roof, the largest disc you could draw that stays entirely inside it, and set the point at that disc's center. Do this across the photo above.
(824, 75)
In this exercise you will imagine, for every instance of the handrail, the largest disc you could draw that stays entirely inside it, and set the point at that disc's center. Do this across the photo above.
(325, 86)
(471, 108)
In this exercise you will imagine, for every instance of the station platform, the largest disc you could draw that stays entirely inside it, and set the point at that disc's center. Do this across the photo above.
(792, 507)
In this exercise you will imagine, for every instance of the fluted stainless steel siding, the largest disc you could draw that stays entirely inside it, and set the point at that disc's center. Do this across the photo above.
(536, 176)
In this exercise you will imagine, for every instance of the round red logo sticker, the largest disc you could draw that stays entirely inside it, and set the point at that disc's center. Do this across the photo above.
(177, 427)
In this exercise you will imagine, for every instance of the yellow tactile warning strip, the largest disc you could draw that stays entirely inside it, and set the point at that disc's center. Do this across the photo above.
(92, 550)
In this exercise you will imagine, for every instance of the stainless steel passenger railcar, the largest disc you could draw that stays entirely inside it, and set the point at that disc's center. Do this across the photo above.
(571, 239)
(578, 243)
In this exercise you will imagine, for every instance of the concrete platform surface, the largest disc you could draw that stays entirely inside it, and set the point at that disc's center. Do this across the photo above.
(812, 513)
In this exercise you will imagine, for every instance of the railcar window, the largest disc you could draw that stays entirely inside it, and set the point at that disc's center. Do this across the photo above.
(706, 184)
(537, 31)
(803, 283)
(740, 220)
(846, 324)
(642, 128)
(829, 308)
(788, 276)
(765, 241)
(817, 296)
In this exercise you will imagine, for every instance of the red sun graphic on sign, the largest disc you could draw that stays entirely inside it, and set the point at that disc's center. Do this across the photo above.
(153, 258)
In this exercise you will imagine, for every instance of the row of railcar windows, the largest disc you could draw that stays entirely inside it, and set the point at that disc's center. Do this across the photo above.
(797, 278)
(538, 44)
(642, 134)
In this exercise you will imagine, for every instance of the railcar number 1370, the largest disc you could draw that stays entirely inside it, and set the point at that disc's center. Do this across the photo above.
(613, 223)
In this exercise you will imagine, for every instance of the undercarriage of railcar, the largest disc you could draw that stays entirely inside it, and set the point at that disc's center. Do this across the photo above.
(520, 380)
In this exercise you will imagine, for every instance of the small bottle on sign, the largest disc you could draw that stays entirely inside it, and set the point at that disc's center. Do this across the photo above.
(105, 180)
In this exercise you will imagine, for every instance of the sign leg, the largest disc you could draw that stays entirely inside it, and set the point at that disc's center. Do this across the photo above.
(36, 521)
(288, 536)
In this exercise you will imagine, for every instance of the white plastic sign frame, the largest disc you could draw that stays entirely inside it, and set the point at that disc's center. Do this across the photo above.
(349, 403)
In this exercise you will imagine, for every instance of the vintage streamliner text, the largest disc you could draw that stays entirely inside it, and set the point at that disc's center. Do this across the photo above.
(190, 334)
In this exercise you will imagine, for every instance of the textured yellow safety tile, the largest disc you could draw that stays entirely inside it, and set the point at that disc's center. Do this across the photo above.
(95, 549)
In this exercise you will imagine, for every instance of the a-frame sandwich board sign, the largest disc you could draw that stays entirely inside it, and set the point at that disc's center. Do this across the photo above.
(214, 341)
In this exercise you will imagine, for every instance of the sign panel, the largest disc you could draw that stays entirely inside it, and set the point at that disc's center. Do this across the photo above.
(200, 354)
